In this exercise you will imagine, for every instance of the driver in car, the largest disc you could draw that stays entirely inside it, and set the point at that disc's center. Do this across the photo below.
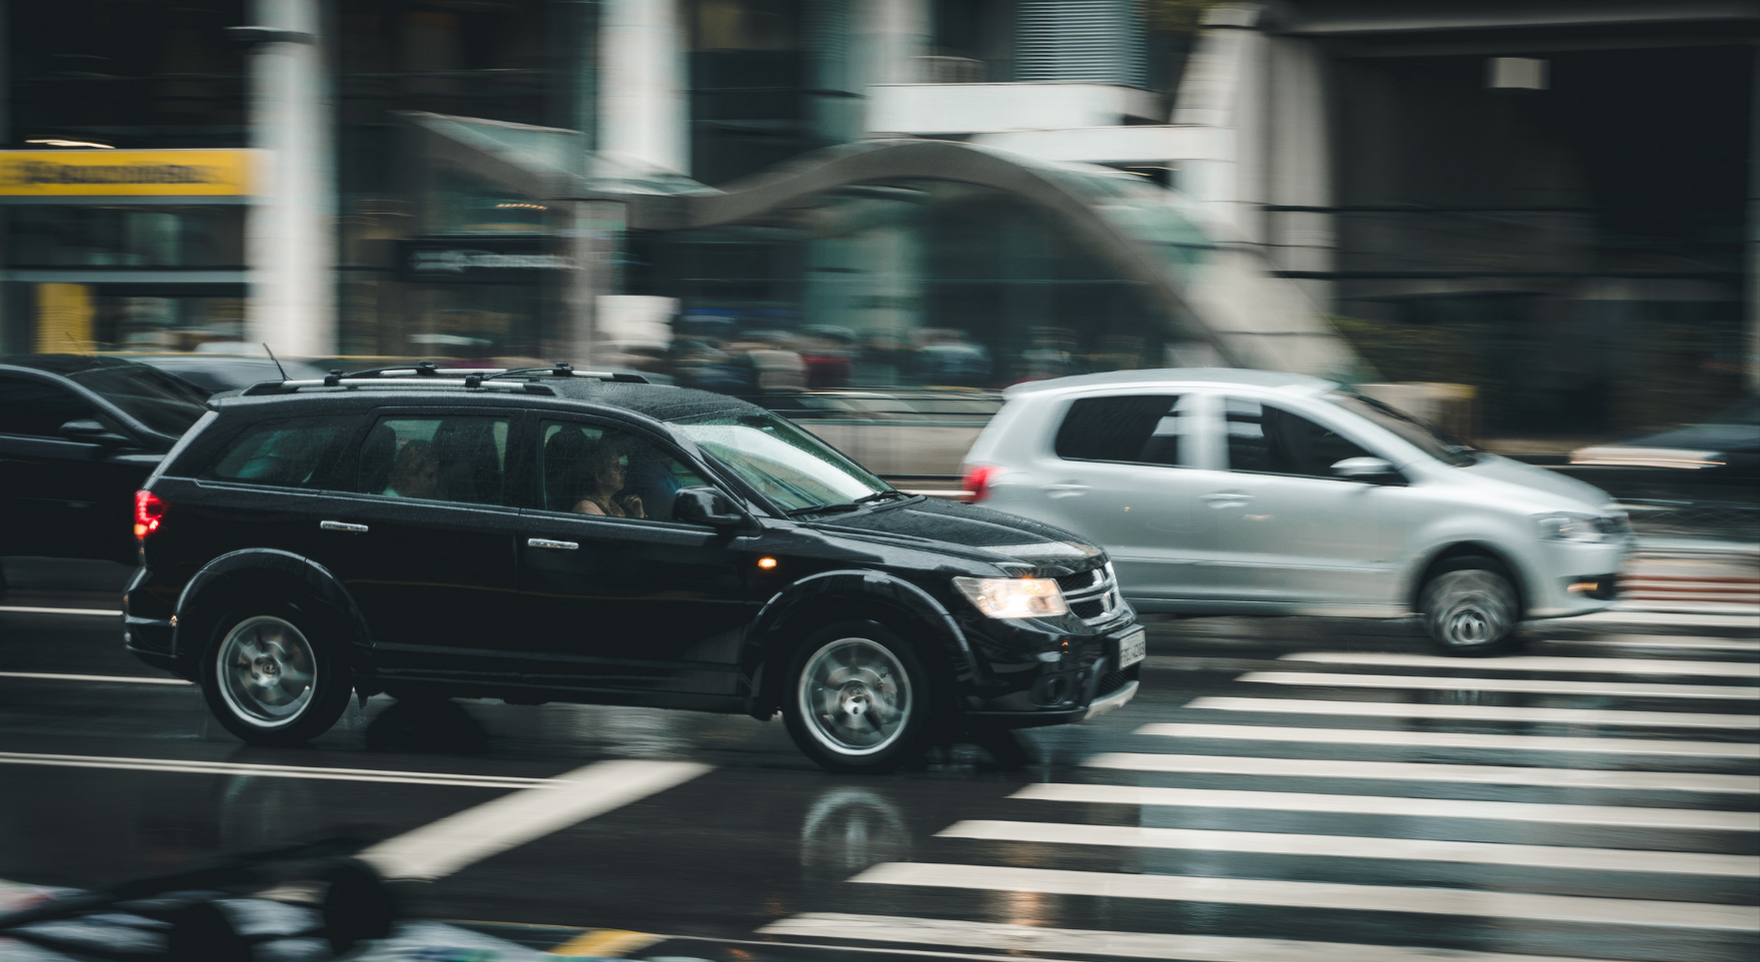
(606, 471)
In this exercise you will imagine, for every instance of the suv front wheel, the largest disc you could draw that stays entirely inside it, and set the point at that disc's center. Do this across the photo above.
(1470, 607)
(270, 680)
(858, 698)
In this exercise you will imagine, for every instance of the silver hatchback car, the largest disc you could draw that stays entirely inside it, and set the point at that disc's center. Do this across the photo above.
(1222, 491)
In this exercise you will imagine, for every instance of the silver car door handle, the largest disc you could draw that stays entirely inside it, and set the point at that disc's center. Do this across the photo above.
(1065, 489)
(343, 526)
(547, 543)
(1221, 498)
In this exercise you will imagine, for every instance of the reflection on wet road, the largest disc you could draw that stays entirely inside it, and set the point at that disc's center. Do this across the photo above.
(1281, 790)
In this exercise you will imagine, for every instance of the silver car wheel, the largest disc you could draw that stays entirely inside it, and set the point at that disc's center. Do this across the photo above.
(1469, 608)
(266, 670)
(854, 696)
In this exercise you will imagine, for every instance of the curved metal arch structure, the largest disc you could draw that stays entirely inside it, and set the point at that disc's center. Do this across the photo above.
(796, 183)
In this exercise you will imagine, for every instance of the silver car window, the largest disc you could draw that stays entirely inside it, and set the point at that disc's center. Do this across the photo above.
(1133, 429)
(1266, 439)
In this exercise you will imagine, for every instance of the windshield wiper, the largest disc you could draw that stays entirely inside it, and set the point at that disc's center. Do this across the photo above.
(817, 508)
(881, 496)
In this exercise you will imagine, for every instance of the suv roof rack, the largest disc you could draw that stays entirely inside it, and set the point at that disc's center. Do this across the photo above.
(426, 374)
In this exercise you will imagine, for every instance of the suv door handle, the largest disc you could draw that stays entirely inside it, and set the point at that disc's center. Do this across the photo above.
(1065, 489)
(343, 526)
(547, 543)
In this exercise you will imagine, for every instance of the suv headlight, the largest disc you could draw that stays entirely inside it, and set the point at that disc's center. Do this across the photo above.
(1591, 529)
(1014, 597)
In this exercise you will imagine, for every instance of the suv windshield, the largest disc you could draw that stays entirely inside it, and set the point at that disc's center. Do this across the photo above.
(1432, 441)
(785, 464)
(163, 403)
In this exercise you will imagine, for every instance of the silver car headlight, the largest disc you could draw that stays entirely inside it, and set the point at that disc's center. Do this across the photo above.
(1014, 597)
(1582, 528)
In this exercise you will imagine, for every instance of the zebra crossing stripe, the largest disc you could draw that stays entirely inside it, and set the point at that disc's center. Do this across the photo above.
(1664, 641)
(1626, 666)
(1602, 815)
(1479, 713)
(1425, 772)
(1351, 846)
(997, 936)
(1426, 739)
(1320, 895)
(1319, 679)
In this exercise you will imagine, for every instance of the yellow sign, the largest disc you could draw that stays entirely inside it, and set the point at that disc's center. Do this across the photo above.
(125, 173)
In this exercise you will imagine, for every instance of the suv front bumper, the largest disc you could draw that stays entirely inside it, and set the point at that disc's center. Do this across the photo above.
(1058, 694)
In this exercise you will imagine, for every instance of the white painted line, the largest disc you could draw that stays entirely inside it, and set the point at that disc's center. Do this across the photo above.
(1575, 778)
(441, 848)
(106, 679)
(1664, 641)
(28, 610)
(1043, 941)
(1687, 618)
(1350, 846)
(1616, 689)
(1625, 666)
(268, 771)
(1609, 815)
(1480, 713)
(1427, 739)
(1320, 895)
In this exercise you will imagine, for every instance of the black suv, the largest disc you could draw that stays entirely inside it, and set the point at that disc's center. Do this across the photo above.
(543, 535)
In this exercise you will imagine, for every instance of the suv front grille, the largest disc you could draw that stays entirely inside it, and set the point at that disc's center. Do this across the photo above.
(1092, 595)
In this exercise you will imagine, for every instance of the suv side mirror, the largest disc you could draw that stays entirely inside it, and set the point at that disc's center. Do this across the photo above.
(706, 505)
(1371, 470)
(92, 431)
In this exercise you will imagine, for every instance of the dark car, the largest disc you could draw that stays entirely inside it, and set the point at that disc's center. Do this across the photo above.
(1718, 459)
(78, 435)
(544, 536)
(226, 372)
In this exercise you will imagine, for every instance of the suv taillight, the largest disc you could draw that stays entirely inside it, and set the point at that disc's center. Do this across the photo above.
(978, 479)
(149, 510)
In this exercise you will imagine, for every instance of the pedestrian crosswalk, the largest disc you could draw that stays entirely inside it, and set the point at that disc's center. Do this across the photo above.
(1372, 807)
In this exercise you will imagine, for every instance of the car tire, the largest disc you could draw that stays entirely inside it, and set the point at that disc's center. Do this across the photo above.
(858, 698)
(1471, 608)
(271, 678)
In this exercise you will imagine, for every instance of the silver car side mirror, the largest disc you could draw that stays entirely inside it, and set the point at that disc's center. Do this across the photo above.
(1364, 469)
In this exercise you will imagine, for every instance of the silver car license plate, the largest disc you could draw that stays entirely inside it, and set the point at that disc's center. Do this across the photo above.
(1132, 648)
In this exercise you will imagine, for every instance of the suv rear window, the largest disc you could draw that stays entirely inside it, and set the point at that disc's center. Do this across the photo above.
(287, 452)
(1138, 429)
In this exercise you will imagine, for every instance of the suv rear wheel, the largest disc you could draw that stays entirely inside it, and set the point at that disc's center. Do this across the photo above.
(270, 679)
(1470, 607)
(858, 698)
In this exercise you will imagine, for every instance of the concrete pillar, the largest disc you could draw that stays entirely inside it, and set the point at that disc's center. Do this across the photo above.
(894, 37)
(644, 117)
(1300, 166)
(595, 244)
(831, 44)
(1224, 89)
(290, 243)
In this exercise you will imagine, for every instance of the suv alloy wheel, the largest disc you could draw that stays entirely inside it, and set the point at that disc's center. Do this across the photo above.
(270, 679)
(858, 698)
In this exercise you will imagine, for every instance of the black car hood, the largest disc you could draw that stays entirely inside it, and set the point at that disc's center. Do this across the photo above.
(1003, 538)
(1705, 437)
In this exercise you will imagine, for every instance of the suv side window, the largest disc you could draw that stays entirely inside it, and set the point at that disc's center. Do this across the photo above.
(286, 452)
(593, 470)
(39, 408)
(435, 458)
(1266, 439)
(1138, 429)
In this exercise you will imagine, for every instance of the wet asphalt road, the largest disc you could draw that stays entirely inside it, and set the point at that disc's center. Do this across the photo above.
(1281, 789)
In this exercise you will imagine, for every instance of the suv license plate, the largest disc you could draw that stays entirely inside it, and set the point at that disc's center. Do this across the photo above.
(1132, 648)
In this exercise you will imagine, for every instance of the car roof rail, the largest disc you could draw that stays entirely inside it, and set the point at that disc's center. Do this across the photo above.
(474, 381)
(565, 369)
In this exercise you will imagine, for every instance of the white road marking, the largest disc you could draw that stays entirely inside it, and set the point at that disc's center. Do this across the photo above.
(1044, 941)
(1575, 778)
(1606, 815)
(1683, 618)
(28, 610)
(268, 771)
(1406, 737)
(443, 847)
(1480, 713)
(1626, 666)
(1664, 641)
(1617, 689)
(1350, 846)
(1322, 895)
(106, 679)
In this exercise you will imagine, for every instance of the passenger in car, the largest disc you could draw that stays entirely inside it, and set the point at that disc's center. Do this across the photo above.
(415, 473)
(606, 470)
